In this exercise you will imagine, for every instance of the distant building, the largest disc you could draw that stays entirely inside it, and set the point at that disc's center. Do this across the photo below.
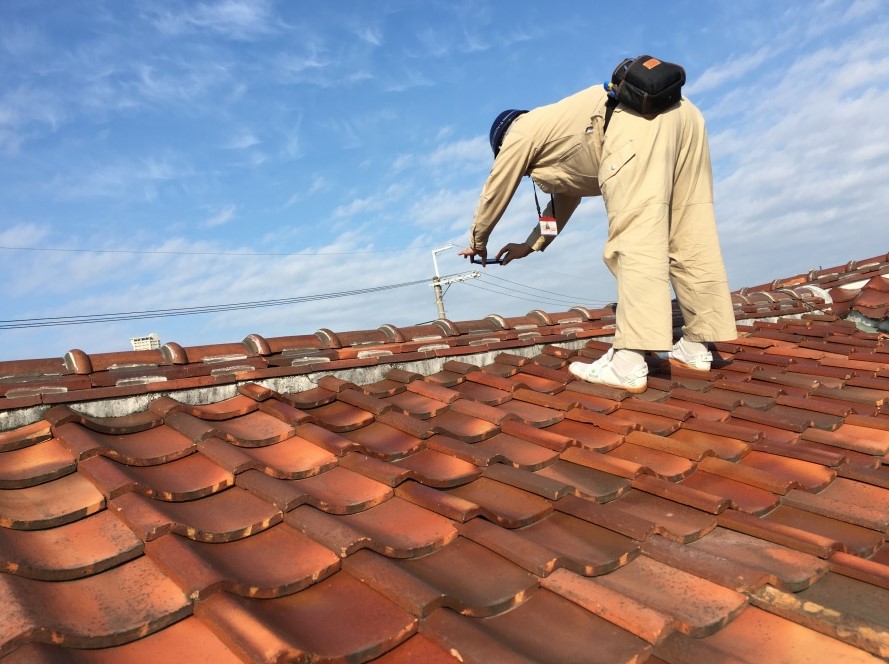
(149, 342)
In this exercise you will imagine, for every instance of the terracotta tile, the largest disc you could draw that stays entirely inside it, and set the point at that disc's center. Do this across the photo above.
(660, 463)
(143, 448)
(531, 414)
(275, 562)
(693, 450)
(25, 436)
(436, 469)
(587, 436)
(55, 503)
(417, 428)
(558, 541)
(396, 528)
(417, 405)
(327, 440)
(106, 609)
(81, 548)
(292, 458)
(191, 477)
(188, 640)
(873, 571)
(526, 480)
(468, 452)
(873, 476)
(655, 424)
(418, 648)
(723, 447)
(845, 609)
(225, 409)
(222, 517)
(698, 410)
(35, 464)
(516, 636)
(482, 393)
(254, 429)
(847, 500)
(311, 398)
(853, 539)
(559, 402)
(465, 428)
(684, 602)
(852, 437)
(306, 626)
(733, 643)
(761, 479)
(520, 453)
(603, 462)
(790, 535)
(680, 493)
(804, 451)
(539, 383)
(462, 576)
(544, 438)
(385, 442)
(743, 497)
(739, 561)
(503, 504)
(587, 482)
(637, 518)
(340, 417)
(802, 474)
(611, 423)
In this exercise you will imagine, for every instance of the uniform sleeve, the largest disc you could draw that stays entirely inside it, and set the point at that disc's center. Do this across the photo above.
(509, 167)
(565, 207)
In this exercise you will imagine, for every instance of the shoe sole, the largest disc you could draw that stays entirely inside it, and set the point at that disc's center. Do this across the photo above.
(632, 390)
(682, 365)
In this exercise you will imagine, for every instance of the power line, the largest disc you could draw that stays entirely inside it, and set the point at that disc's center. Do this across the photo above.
(203, 253)
(533, 298)
(22, 323)
(559, 295)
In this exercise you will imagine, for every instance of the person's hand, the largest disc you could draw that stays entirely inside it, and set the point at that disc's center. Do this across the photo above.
(513, 251)
(469, 252)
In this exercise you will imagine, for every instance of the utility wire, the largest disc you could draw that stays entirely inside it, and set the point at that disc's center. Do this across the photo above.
(22, 323)
(532, 298)
(560, 295)
(202, 253)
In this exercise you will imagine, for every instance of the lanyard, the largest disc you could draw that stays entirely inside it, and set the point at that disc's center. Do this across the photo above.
(552, 202)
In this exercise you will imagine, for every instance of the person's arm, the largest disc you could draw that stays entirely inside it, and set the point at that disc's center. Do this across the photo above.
(565, 207)
(509, 167)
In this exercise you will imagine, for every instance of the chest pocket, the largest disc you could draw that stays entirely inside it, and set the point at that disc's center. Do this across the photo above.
(614, 162)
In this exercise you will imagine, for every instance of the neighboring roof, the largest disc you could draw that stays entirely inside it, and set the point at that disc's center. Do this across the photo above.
(449, 493)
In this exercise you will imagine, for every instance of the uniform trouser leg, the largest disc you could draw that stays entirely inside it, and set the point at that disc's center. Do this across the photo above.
(656, 182)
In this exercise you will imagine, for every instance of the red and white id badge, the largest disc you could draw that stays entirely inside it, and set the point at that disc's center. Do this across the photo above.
(548, 226)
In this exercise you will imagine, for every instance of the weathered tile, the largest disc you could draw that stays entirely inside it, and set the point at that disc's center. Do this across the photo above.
(462, 576)
(106, 609)
(55, 503)
(516, 636)
(307, 626)
(275, 562)
(150, 447)
(737, 561)
(35, 464)
(558, 541)
(82, 548)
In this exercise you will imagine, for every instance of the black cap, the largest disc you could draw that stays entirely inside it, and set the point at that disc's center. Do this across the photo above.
(501, 124)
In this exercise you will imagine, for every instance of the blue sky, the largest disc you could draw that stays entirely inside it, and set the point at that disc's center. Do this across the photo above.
(158, 155)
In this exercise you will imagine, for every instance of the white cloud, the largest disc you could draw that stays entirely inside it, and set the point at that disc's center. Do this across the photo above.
(234, 19)
(225, 215)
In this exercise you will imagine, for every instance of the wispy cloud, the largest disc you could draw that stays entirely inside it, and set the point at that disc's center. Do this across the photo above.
(233, 19)
(223, 216)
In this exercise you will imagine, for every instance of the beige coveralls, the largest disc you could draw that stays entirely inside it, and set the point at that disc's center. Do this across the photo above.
(655, 179)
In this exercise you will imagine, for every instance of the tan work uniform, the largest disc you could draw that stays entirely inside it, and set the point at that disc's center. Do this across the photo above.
(655, 179)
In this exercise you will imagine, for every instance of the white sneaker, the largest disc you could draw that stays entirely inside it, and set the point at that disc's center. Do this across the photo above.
(602, 372)
(696, 361)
